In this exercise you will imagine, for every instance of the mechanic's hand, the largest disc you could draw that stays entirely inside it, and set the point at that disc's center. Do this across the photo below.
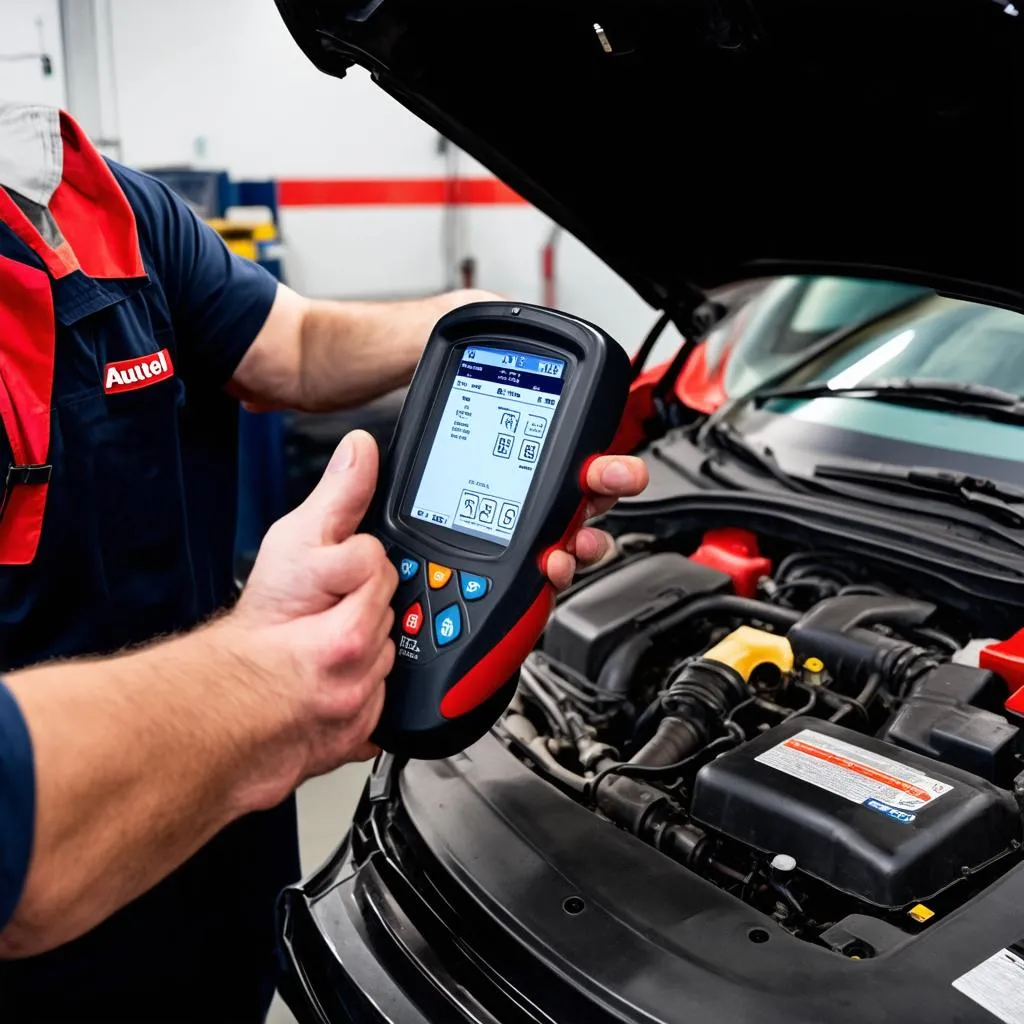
(609, 478)
(317, 609)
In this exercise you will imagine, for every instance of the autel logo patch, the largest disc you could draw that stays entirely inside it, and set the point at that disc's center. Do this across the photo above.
(139, 372)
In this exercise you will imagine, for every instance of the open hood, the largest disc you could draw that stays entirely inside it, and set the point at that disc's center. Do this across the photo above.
(691, 143)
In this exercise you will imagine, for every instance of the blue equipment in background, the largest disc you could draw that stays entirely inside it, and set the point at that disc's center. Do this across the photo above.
(262, 495)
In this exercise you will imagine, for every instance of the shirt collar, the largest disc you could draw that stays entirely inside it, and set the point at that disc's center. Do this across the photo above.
(31, 151)
(94, 225)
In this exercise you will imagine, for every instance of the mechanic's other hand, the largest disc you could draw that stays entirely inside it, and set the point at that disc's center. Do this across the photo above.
(609, 478)
(447, 301)
(316, 615)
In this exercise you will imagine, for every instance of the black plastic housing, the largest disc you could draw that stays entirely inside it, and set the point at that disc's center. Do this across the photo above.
(586, 628)
(939, 719)
(497, 631)
(964, 684)
(456, 910)
(862, 851)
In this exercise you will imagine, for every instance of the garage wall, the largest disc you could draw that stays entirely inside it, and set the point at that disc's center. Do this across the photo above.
(25, 25)
(220, 83)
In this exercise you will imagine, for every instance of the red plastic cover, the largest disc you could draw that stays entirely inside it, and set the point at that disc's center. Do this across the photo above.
(734, 552)
(1006, 659)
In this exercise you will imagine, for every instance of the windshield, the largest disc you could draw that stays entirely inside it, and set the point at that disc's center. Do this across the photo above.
(933, 339)
(793, 313)
(947, 340)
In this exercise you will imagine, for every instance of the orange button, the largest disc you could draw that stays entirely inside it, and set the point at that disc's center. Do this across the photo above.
(438, 575)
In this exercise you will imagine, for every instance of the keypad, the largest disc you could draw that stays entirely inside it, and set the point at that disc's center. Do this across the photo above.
(407, 567)
(438, 575)
(412, 620)
(447, 625)
(437, 606)
(473, 587)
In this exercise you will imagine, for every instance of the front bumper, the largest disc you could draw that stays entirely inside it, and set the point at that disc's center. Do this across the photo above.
(355, 956)
(477, 892)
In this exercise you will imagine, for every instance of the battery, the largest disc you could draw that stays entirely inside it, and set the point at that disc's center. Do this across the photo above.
(881, 823)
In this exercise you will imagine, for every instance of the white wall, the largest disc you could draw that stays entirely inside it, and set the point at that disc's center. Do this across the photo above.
(220, 83)
(22, 23)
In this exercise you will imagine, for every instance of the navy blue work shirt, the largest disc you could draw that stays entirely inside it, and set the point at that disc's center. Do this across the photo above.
(137, 541)
(17, 804)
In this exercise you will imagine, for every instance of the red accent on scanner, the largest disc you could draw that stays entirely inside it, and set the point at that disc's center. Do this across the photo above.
(489, 674)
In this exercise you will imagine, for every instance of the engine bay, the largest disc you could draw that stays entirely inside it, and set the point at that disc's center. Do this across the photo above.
(799, 727)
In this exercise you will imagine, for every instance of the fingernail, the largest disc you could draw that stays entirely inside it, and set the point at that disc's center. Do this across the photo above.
(616, 475)
(344, 456)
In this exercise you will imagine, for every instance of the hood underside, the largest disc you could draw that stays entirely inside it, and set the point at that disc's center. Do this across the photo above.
(691, 143)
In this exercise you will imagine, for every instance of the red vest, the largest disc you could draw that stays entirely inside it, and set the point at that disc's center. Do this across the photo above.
(100, 241)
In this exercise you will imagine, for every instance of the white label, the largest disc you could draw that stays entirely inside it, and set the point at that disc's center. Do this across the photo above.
(857, 775)
(997, 985)
(408, 648)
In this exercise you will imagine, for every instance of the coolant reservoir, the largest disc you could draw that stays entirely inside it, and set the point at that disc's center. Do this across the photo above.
(746, 648)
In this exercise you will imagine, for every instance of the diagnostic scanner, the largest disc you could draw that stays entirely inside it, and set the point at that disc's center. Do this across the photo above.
(483, 479)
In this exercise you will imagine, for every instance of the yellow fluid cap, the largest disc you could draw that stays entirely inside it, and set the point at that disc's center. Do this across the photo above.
(814, 665)
(746, 648)
(921, 913)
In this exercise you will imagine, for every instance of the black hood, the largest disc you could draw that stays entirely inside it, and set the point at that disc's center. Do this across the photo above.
(691, 143)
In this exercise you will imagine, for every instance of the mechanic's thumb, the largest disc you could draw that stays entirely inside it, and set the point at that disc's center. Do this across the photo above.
(339, 502)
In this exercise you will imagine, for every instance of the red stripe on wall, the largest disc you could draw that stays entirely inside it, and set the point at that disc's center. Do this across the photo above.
(395, 192)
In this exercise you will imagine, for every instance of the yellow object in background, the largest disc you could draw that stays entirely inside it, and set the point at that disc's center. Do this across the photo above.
(243, 238)
(920, 913)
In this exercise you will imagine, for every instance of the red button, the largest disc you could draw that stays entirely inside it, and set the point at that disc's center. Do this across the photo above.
(412, 620)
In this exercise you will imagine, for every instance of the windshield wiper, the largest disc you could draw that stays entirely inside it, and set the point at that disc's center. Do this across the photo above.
(725, 437)
(985, 504)
(975, 399)
(999, 502)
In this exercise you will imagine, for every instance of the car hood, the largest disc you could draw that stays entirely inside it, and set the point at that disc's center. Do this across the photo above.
(695, 142)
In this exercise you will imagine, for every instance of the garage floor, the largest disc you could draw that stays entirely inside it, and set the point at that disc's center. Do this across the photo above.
(326, 806)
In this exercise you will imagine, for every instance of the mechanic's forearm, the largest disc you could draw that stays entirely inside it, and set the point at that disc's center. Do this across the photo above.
(317, 355)
(353, 352)
(139, 761)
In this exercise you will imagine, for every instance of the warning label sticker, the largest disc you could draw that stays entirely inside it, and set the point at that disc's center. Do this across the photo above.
(857, 775)
(997, 984)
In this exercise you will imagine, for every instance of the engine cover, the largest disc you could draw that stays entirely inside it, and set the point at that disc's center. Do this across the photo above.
(884, 824)
(584, 629)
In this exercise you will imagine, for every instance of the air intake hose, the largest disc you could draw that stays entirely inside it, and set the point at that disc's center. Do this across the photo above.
(697, 700)
(838, 632)
(706, 690)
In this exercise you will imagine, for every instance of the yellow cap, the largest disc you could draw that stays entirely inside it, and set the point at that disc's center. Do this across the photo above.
(814, 665)
(746, 648)
(921, 913)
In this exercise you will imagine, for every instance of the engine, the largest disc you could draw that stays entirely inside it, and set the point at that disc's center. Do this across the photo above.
(840, 755)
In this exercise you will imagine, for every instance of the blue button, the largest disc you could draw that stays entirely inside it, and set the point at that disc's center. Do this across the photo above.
(473, 587)
(447, 625)
(407, 569)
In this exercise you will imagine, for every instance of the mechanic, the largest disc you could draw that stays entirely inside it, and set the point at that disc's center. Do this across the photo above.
(240, 711)
(127, 329)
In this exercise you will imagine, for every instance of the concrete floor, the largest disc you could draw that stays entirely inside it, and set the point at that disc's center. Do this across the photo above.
(326, 806)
